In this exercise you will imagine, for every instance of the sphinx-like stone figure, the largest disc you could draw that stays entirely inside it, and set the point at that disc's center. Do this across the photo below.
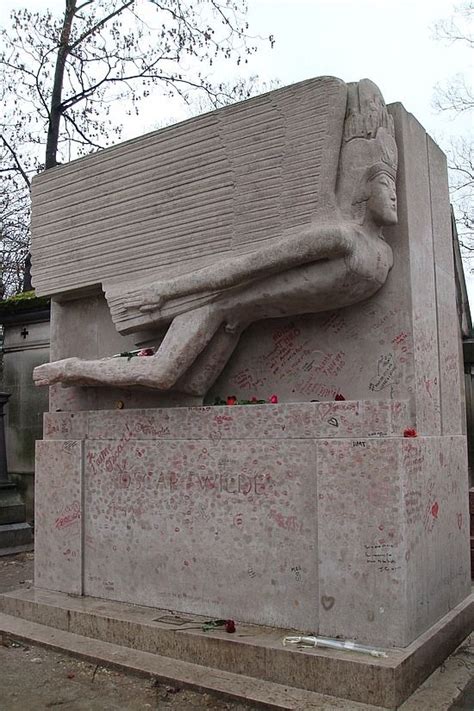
(338, 258)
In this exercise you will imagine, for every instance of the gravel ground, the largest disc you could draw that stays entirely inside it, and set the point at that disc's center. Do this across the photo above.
(33, 678)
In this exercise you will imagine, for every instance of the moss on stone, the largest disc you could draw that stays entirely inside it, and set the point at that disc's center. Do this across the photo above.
(27, 301)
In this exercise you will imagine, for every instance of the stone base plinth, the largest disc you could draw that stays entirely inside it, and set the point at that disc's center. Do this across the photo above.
(320, 517)
(252, 664)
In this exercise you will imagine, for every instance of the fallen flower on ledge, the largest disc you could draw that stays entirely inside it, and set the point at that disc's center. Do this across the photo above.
(132, 354)
(233, 400)
(126, 354)
(410, 432)
(230, 626)
(339, 397)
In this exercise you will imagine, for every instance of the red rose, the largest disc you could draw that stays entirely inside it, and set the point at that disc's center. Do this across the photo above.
(274, 399)
(230, 626)
(231, 400)
(410, 432)
(146, 352)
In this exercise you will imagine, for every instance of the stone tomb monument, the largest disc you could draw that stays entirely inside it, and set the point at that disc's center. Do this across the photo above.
(296, 244)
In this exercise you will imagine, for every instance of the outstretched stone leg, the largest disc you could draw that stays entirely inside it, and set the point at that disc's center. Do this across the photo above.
(210, 363)
(187, 336)
(185, 339)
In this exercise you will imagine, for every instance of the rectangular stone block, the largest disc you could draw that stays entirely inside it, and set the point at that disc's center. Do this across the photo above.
(58, 515)
(392, 533)
(254, 512)
(189, 194)
(225, 530)
(361, 541)
(437, 528)
(415, 222)
(449, 336)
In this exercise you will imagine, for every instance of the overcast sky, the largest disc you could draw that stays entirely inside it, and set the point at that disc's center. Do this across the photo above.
(389, 41)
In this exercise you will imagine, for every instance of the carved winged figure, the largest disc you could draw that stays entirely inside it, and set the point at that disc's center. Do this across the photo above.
(337, 259)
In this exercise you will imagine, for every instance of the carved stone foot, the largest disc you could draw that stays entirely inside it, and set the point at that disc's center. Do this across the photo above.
(59, 371)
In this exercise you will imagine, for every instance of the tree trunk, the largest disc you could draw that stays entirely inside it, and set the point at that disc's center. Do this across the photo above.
(55, 111)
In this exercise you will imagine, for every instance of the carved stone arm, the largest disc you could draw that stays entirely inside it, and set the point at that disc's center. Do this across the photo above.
(313, 243)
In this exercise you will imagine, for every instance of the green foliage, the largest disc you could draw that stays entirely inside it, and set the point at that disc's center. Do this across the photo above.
(23, 302)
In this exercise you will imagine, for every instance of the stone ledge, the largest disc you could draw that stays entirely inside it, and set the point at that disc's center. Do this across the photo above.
(300, 420)
(166, 670)
(254, 651)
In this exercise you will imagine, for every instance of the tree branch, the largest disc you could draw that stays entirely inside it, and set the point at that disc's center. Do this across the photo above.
(16, 161)
(100, 24)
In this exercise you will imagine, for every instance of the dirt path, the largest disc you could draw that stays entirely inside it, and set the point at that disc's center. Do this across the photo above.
(34, 679)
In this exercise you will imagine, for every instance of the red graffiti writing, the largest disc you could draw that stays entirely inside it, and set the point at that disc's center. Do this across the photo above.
(71, 514)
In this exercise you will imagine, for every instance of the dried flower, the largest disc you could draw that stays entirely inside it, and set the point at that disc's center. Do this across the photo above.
(146, 352)
(339, 397)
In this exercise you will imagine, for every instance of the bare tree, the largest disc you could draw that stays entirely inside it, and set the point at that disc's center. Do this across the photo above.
(14, 222)
(457, 98)
(68, 82)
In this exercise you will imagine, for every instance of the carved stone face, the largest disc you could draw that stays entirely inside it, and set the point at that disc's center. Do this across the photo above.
(382, 202)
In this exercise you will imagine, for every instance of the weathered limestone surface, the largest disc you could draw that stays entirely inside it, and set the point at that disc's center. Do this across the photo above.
(327, 252)
(319, 515)
(369, 418)
(58, 515)
(188, 194)
(334, 523)
(402, 343)
(391, 345)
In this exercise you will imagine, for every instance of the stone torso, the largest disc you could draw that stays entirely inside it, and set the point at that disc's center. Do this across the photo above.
(321, 285)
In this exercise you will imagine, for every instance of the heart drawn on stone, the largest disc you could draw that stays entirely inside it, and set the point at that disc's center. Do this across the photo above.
(327, 601)
(333, 422)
